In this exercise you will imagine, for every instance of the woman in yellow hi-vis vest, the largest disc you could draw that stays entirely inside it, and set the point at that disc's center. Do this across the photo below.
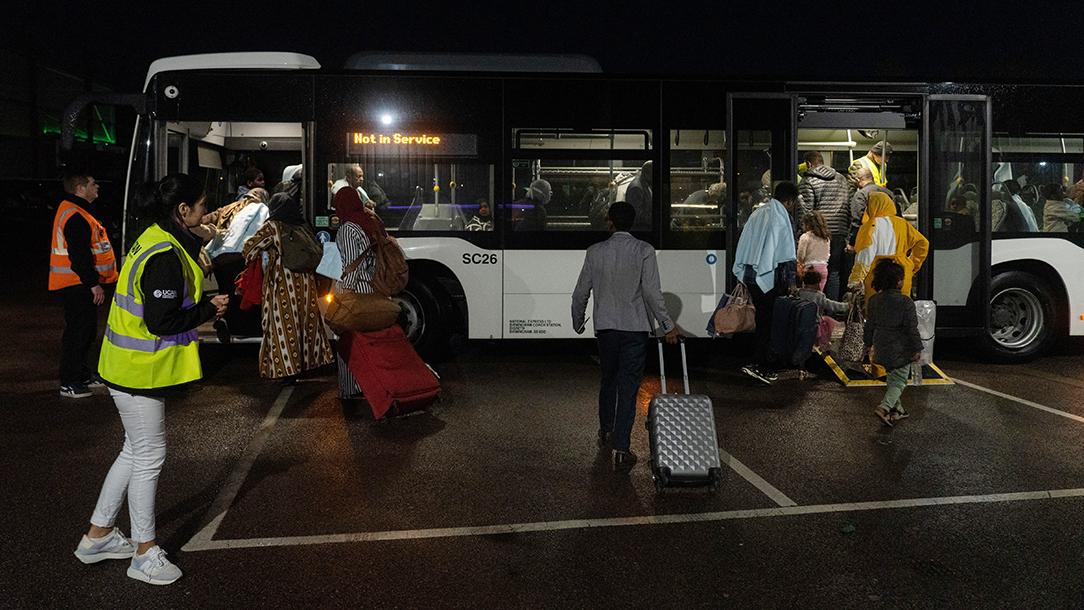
(150, 352)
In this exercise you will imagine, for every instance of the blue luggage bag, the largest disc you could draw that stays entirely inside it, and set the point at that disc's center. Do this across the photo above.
(794, 330)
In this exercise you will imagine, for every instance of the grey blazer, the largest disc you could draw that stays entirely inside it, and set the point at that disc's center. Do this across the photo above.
(623, 274)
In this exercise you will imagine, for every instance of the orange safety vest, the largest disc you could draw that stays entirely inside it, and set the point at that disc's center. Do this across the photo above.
(60, 266)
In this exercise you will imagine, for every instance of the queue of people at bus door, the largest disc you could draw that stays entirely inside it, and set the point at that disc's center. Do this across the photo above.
(150, 353)
(294, 336)
(812, 291)
(891, 335)
(814, 245)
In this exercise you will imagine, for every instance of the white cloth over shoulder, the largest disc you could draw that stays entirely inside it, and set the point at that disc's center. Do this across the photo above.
(766, 241)
(243, 226)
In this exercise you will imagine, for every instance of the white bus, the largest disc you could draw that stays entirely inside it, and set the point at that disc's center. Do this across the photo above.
(437, 135)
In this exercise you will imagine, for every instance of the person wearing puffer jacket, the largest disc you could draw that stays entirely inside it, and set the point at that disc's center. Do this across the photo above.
(824, 189)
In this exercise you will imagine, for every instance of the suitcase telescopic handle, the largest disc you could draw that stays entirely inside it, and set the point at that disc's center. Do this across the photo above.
(684, 365)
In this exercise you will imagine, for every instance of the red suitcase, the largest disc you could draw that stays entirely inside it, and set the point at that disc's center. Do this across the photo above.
(389, 371)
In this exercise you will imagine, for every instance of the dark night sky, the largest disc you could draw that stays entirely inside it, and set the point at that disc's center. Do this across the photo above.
(1037, 41)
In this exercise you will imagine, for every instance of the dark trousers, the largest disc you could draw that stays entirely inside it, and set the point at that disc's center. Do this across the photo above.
(241, 323)
(80, 331)
(764, 302)
(837, 283)
(621, 354)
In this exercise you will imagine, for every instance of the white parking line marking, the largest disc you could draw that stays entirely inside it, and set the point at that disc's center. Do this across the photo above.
(237, 478)
(207, 544)
(777, 496)
(1019, 400)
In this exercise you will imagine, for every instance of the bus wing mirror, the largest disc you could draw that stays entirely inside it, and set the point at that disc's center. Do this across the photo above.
(137, 101)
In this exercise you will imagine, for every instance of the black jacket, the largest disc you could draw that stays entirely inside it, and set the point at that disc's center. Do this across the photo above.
(78, 237)
(163, 288)
(892, 328)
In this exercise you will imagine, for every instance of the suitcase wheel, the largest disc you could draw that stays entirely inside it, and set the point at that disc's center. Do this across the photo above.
(716, 477)
(661, 477)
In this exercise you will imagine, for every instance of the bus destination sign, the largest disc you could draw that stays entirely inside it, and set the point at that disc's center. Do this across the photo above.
(397, 143)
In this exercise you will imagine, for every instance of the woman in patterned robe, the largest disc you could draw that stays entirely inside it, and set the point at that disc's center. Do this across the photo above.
(294, 339)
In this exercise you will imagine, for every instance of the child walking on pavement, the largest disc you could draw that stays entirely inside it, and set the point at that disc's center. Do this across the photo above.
(891, 335)
(812, 284)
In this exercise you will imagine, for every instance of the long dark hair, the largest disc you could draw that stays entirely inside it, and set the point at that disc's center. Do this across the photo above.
(158, 200)
(814, 222)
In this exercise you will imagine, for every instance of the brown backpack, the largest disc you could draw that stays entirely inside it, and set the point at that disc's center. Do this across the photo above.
(392, 273)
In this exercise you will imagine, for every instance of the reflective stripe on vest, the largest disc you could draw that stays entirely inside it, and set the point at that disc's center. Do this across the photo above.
(875, 169)
(60, 266)
(131, 356)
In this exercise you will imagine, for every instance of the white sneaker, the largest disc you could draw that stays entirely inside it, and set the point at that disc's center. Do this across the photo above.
(153, 567)
(113, 545)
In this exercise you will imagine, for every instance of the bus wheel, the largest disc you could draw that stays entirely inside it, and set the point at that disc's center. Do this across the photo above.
(425, 319)
(1022, 318)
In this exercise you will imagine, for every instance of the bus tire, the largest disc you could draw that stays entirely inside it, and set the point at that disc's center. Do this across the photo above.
(426, 317)
(1023, 318)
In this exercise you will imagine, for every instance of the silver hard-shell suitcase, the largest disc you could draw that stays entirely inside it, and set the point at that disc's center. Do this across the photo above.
(681, 429)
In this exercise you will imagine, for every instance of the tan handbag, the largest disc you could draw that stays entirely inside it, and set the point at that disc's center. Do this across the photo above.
(738, 315)
(359, 311)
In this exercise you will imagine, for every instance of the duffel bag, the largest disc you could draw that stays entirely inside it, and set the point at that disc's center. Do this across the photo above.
(360, 311)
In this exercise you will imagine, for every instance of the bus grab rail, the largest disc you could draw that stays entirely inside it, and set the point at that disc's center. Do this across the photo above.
(137, 101)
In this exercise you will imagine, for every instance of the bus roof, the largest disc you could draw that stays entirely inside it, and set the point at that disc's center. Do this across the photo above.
(472, 62)
(222, 61)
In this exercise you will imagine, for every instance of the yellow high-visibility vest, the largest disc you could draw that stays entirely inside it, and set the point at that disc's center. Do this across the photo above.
(131, 356)
(875, 169)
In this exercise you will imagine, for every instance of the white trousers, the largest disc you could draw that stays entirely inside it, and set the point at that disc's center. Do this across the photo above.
(136, 469)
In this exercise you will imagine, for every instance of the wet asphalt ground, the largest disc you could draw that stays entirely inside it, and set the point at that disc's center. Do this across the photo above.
(497, 497)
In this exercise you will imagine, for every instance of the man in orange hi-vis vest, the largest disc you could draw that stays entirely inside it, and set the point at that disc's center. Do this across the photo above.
(80, 264)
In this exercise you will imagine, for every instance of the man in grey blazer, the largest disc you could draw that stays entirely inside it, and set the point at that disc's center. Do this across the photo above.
(623, 274)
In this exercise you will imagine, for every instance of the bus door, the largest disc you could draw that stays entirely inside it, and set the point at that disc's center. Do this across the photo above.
(761, 145)
(840, 129)
(957, 211)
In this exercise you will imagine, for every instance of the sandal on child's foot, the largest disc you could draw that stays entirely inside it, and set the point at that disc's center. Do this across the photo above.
(898, 415)
(879, 412)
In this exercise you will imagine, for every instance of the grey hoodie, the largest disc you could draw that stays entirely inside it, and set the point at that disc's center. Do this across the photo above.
(823, 188)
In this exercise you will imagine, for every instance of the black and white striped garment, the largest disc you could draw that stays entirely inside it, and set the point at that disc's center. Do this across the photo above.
(352, 241)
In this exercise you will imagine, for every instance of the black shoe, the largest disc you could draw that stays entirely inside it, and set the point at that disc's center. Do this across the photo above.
(756, 372)
(223, 331)
(94, 382)
(624, 461)
(75, 390)
(604, 438)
